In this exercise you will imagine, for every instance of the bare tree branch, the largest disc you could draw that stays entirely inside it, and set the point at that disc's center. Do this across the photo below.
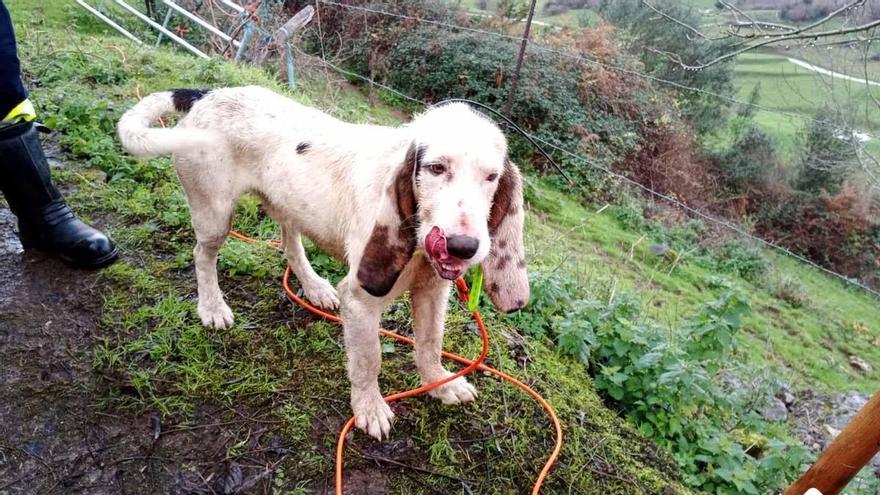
(759, 37)
(769, 40)
(682, 23)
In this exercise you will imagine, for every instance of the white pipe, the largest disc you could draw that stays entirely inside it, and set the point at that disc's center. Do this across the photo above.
(97, 13)
(155, 25)
(234, 5)
(201, 22)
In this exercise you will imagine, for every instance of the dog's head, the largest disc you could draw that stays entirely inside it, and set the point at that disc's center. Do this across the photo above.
(459, 198)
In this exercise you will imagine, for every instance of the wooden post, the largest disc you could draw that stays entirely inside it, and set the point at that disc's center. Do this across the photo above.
(846, 456)
(519, 59)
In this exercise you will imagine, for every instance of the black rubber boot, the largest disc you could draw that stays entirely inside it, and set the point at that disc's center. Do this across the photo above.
(45, 222)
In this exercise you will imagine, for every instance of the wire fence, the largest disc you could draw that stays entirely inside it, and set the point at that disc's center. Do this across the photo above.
(266, 30)
(654, 193)
(583, 59)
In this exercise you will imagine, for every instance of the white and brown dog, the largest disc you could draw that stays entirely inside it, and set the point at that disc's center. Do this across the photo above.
(375, 197)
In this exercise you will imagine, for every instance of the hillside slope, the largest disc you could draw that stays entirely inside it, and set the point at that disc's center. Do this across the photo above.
(275, 384)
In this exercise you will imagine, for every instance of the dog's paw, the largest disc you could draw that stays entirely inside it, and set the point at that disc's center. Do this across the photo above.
(215, 314)
(455, 392)
(372, 414)
(321, 293)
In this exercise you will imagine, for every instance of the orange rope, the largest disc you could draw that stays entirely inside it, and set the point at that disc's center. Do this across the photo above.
(470, 366)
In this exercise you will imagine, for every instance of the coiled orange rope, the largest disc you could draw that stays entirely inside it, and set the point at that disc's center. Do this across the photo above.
(470, 365)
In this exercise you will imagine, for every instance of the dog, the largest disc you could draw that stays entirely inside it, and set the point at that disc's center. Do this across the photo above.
(407, 208)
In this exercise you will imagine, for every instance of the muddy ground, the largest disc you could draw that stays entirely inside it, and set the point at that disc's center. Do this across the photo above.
(54, 438)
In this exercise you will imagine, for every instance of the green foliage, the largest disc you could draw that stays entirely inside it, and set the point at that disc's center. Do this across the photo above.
(744, 261)
(828, 154)
(666, 381)
(659, 41)
(745, 166)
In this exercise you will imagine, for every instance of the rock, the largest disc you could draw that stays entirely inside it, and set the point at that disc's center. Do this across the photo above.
(659, 249)
(786, 395)
(845, 406)
(860, 365)
(775, 410)
(831, 431)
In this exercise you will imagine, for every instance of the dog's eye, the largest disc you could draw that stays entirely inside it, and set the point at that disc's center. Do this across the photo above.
(438, 168)
(492, 177)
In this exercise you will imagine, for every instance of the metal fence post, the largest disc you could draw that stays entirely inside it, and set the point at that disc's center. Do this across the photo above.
(164, 25)
(291, 76)
(245, 40)
(519, 59)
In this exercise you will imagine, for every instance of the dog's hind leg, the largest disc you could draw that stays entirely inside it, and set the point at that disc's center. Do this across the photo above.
(212, 227)
(316, 289)
(211, 206)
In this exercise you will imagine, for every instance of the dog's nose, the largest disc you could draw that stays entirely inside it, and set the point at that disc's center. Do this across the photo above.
(462, 246)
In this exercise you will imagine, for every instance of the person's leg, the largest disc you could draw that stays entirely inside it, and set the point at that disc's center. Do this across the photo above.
(44, 220)
(12, 91)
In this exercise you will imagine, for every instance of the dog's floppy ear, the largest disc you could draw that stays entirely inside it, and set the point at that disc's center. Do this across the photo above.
(392, 241)
(504, 270)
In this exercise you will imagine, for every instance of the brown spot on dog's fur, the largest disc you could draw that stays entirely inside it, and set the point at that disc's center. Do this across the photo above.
(493, 288)
(382, 262)
(503, 200)
(502, 262)
(303, 147)
(502, 244)
(387, 252)
(404, 194)
(521, 263)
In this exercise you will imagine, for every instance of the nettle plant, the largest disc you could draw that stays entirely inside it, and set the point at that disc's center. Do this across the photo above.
(666, 382)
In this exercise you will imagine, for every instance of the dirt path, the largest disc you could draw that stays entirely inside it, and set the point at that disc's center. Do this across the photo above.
(53, 436)
(826, 72)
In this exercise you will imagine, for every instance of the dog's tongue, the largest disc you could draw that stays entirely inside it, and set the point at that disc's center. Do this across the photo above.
(435, 244)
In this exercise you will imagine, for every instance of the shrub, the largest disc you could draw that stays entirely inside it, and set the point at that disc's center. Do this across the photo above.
(667, 382)
(747, 262)
(828, 154)
(745, 166)
(585, 108)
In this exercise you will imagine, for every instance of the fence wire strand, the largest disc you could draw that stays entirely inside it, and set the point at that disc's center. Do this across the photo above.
(665, 197)
(580, 58)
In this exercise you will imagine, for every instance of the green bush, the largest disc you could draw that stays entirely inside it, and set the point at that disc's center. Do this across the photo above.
(666, 381)
(828, 155)
(745, 166)
(747, 262)
(583, 108)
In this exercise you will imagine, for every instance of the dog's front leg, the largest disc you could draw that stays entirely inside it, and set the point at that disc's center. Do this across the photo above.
(430, 295)
(361, 314)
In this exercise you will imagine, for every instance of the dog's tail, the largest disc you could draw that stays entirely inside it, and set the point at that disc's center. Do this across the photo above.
(143, 141)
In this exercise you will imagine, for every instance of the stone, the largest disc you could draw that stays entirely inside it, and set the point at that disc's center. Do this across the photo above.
(775, 410)
(786, 395)
(831, 431)
(659, 249)
(860, 365)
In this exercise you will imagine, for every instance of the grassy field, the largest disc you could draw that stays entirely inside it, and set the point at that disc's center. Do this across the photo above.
(797, 90)
(281, 365)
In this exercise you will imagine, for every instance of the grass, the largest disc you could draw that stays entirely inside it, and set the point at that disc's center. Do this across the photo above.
(807, 345)
(280, 365)
(796, 90)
